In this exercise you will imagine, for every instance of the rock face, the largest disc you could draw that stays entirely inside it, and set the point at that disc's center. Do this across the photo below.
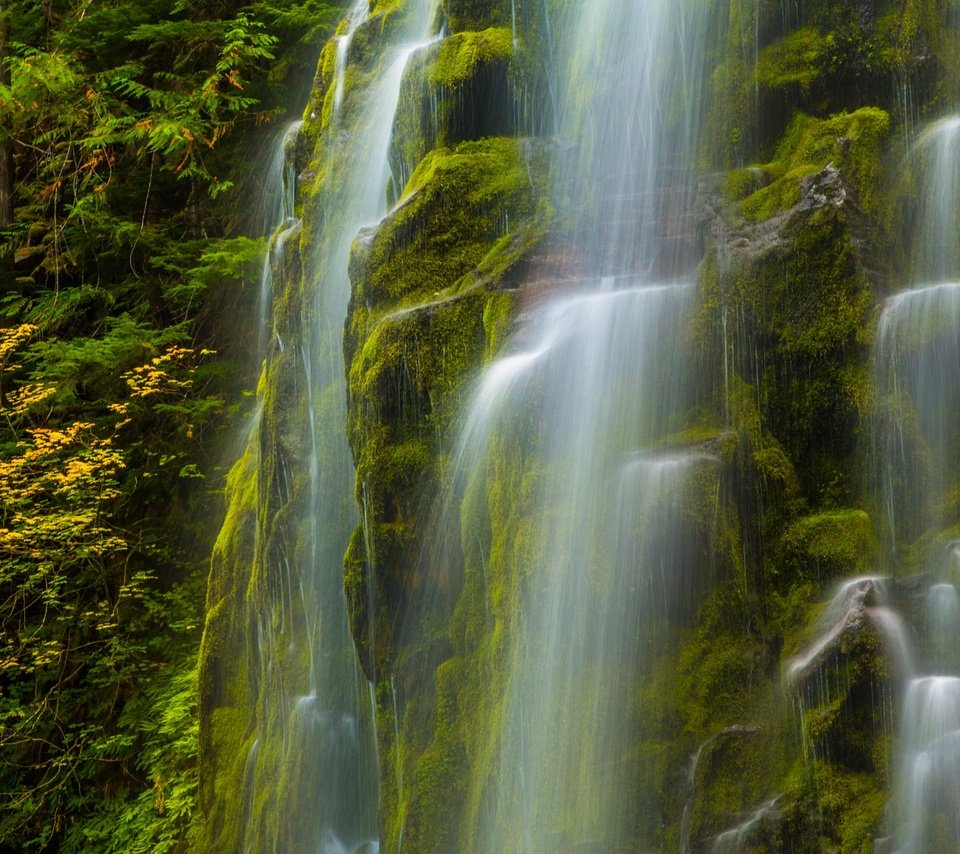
(787, 710)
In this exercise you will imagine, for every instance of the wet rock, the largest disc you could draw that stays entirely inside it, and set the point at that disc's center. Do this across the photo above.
(844, 621)
(759, 829)
(826, 187)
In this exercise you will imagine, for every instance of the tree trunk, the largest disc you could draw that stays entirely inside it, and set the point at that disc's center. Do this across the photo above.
(6, 143)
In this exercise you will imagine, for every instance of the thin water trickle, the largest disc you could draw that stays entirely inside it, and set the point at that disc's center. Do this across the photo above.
(277, 213)
(397, 759)
(851, 600)
(739, 838)
(357, 16)
(248, 782)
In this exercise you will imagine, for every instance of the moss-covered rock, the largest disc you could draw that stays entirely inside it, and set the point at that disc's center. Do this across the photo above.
(425, 309)
(852, 142)
(831, 545)
(459, 89)
(800, 286)
(783, 331)
(475, 15)
(225, 678)
(468, 214)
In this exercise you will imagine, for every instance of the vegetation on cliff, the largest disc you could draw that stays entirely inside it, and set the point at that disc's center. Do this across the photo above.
(125, 139)
(128, 139)
(799, 250)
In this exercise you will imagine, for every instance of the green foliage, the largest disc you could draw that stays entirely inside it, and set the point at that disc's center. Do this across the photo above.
(87, 616)
(158, 814)
(124, 122)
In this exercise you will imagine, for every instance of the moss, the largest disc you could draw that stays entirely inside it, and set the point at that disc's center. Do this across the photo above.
(849, 806)
(225, 684)
(844, 712)
(462, 209)
(716, 666)
(852, 141)
(731, 86)
(736, 771)
(441, 770)
(459, 55)
(795, 59)
(404, 390)
(836, 701)
(498, 316)
(833, 544)
(805, 301)
(411, 365)
(388, 18)
(476, 15)
(423, 316)
(822, 58)
(464, 88)
(742, 183)
(449, 731)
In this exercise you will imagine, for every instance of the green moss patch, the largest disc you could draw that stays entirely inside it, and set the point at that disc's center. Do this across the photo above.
(460, 54)
(853, 142)
(795, 60)
(833, 544)
(463, 210)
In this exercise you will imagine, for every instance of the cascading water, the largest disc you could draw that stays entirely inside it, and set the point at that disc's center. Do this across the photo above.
(594, 380)
(312, 770)
(917, 369)
(927, 790)
(281, 191)
(917, 359)
(943, 627)
(936, 250)
(612, 552)
(356, 17)
(738, 839)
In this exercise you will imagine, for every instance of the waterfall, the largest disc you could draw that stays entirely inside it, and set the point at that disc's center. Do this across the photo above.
(281, 191)
(356, 17)
(311, 771)
(928, 787)
(917, 359)
(943, 627)
(917, 377)
(936, 250)
(612, 553)
(610, 547)
(567, 428)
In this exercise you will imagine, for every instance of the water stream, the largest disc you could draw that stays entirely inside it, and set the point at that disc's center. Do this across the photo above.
(315, 747)
(592, 382)
(917, 445)
(583, 408)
